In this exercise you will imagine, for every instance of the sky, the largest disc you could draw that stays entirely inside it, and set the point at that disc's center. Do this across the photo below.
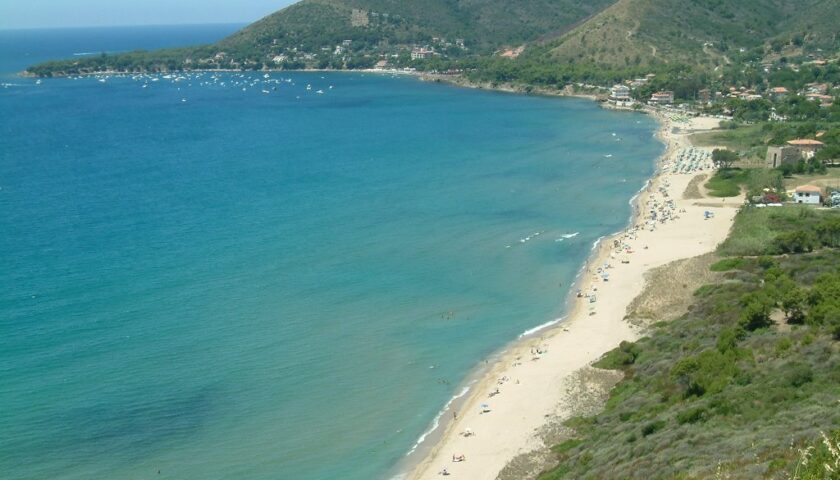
(98, 13)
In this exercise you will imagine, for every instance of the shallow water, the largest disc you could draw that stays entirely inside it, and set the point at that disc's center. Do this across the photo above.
(218, 283)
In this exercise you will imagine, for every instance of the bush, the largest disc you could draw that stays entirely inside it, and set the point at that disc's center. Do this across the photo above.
(727, 264)
(793, 304)
(623, 356)
(652, 427)
(729, 338)
(796, 242)
(693, 415)
(755, 316)
(800, 375)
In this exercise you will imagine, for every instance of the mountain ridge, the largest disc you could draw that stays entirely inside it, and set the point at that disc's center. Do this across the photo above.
(620, 35)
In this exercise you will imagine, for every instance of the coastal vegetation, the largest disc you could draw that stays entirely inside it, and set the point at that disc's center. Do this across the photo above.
(729, 182)
(744, 383)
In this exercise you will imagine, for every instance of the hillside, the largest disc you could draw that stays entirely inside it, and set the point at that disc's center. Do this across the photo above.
(735, 387)
(700, 32)
(482, 24)
(598, 40)
(358, 33)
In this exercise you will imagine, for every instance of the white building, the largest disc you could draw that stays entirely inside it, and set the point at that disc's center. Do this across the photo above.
(662, 98)
(620, 94)
(421, 53)
(808, 194)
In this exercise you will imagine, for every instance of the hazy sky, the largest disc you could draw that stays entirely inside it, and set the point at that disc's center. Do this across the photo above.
(83, 13)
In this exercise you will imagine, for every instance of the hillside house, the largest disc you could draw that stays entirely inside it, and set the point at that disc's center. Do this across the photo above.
(808, 194)
(421, 53)
(807, 147)
(778, 93)
(662, 98)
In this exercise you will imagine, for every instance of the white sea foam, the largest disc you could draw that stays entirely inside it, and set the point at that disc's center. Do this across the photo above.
(536, 329)
(436, 421)
(81, 54)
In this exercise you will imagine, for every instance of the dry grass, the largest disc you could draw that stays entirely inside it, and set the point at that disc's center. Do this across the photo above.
(669, 290)
(692, 191)
(830, 179)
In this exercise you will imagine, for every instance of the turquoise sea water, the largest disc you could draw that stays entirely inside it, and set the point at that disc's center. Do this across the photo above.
(217, 283)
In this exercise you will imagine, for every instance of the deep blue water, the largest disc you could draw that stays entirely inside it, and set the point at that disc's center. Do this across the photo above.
(224, 283)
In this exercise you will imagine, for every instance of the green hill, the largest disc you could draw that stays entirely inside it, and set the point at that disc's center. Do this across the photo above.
(699, 32)
(312, 24)
(357, 33)
(623, 36)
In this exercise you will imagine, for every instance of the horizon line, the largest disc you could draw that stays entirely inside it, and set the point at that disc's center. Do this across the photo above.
(125, 25)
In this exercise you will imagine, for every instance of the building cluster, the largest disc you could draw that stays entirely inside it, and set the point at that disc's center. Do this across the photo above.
(817, 92)
(621, 94)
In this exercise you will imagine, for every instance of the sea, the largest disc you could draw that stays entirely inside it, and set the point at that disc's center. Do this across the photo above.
(274, 276)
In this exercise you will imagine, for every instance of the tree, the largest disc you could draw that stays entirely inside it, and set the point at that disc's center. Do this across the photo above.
(828, 232)
(755, 316)
(797, 241)
(724, 158)
(793, 303)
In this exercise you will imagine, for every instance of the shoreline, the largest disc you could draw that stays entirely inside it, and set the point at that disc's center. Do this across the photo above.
(466, 390)
(489, 452)
(483, 371)
(429, 452)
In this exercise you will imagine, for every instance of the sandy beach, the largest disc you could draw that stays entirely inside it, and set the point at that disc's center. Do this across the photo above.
(528, 384)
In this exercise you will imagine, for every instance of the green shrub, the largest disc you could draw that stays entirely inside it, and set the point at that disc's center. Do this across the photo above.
(652, 427)
(692, 415)
(567, 445)
(728, 339)
(799, 375)
(755, 316)
(727, 264)
(796, 242)
(783, 345)
(621, 357)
